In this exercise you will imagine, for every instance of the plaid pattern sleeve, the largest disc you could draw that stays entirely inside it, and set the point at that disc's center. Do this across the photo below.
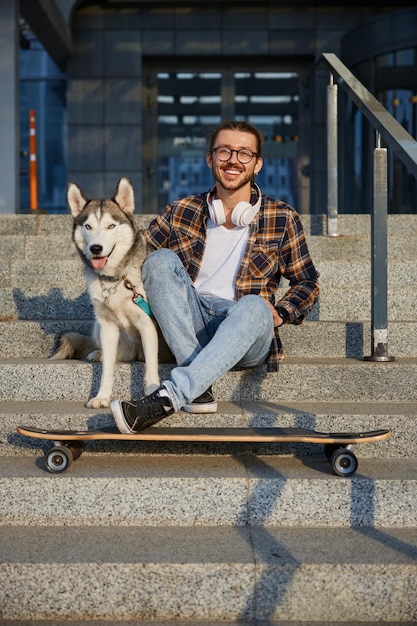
(182, 228)
(276, 249)
(297, 267)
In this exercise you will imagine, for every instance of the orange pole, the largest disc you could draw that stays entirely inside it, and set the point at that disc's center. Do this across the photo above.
(33, 174)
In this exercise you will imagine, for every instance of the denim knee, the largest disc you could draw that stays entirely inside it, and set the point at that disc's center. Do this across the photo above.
(255, 308)
(162, 260)
(258, 306)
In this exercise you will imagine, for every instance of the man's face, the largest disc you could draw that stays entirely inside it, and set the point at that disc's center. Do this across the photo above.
(233, 175)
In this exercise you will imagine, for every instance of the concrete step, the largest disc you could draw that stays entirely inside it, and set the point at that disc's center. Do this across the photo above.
(68, 301)
(203, 490)
(358, 247)
(300, 380)
(350, 247)
(57, 290)
(208, 533)
(25, 339)
(42, 225)
(359, 225)
(353, 304)
(25, 230)
(180, 622)
(212, 573)
(348, 224)
(24, 274)
(323, 416)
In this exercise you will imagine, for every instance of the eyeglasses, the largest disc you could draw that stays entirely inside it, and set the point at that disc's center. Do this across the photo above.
(243, 155)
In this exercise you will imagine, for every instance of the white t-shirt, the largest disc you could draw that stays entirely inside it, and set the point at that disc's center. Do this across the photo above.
(221, 260)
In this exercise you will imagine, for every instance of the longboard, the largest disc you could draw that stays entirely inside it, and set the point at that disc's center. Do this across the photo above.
(68, 444)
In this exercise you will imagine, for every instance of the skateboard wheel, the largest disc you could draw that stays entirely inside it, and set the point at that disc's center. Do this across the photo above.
(344, 462)
(58, 459)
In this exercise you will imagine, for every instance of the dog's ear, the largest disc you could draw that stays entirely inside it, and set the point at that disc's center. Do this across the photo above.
(125, 196)
(76, 199)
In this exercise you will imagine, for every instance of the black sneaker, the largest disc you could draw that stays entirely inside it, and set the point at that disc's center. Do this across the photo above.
(203, 404)
(132, 417)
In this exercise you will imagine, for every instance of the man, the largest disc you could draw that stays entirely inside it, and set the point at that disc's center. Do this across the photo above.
(212, 279)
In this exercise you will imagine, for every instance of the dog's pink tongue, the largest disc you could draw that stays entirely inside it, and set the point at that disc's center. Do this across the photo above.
(99, 263)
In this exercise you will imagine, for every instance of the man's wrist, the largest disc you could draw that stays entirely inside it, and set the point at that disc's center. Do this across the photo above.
(284, 315)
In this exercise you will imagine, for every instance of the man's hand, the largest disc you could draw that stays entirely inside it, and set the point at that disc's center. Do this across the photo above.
(278, 321)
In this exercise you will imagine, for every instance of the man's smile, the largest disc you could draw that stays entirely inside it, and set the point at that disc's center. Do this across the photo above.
(231, 171)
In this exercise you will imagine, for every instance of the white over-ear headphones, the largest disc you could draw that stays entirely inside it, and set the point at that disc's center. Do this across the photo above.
(242, 214)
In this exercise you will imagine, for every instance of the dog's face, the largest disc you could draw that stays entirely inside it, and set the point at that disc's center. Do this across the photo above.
(103, 229)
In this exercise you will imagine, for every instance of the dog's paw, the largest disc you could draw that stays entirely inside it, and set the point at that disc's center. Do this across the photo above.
(98, 403)
(95, 355)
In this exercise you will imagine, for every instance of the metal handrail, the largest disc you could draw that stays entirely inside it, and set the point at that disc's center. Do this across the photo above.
(405, 148)
(395, 135)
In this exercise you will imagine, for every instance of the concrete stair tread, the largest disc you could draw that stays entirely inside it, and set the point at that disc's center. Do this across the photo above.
(131, 489)
(24, 274)
(352, 247)
(45, 324)
(66, 407)
(198, 535)
(348, 223)
(336, 379)
(70, 301)
(316, 407)
(288, 360)
(193, 622)
(58, 413)
(208, 544)
(263, 573)
(138, 466)
(320, 416)
(38, 338)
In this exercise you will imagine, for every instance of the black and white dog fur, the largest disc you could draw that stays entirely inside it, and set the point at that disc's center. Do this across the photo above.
(112, 250)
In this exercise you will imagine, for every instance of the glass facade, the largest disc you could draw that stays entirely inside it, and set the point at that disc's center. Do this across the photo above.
(183, 99)
(392, 78)
(190, 104)
(43, 89)
(396, 88)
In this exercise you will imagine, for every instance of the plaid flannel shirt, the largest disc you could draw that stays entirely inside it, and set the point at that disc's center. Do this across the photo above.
(276, 248)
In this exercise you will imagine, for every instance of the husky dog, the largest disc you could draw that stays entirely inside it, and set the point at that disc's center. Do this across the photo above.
(112, 250)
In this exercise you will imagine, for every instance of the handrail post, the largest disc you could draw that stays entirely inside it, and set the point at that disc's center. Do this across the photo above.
(379, 261)
(332, 164)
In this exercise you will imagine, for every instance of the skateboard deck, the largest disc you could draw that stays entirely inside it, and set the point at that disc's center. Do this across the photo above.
(68, 444)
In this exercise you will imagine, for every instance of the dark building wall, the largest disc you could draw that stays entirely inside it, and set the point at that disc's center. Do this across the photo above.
(105, 77)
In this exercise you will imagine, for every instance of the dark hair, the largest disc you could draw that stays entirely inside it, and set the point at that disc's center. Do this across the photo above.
(243, 127)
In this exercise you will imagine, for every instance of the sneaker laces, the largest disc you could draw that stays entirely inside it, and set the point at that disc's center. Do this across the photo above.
(152, 406)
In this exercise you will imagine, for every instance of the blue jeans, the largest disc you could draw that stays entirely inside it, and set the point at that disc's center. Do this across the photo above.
(207, 335)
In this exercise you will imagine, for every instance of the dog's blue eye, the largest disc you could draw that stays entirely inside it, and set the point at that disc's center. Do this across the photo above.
(112, 226)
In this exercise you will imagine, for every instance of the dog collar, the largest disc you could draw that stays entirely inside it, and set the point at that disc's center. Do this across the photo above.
(111, 279)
